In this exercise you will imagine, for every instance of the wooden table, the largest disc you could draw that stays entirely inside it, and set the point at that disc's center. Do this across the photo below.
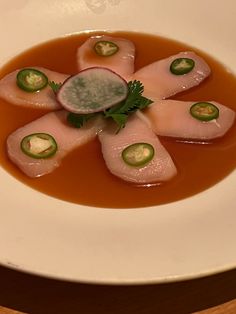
(34, 295)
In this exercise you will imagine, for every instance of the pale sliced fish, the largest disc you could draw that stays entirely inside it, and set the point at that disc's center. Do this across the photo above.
(121, 62)
(67, 137)
(161, 168)
(44, 98)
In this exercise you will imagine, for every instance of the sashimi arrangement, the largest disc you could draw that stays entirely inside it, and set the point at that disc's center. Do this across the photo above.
(128, 110)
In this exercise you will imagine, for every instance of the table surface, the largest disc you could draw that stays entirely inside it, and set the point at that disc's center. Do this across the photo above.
(24, 293)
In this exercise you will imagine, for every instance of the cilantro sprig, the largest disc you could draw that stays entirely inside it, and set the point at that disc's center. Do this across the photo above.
(120, 112)
(78, 120)
(132, 103)
(54, 86)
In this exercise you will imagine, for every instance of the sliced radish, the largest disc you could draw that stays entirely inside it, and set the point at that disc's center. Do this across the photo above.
(92, 90)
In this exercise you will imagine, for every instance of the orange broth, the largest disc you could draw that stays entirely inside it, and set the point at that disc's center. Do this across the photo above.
(83, 177)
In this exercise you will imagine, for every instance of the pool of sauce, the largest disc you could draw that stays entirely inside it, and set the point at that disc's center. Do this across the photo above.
(83, 177)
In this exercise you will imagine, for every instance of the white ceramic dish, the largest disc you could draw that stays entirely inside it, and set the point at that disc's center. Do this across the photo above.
(185, 239)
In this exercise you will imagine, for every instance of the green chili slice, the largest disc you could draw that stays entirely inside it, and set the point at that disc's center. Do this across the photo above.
(204, 111)
(31, 80)
(182, 66)
(105, 48)
(138, 154)
(39, 145)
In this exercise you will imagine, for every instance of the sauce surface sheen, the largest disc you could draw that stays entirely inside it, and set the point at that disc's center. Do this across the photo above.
(83, 177)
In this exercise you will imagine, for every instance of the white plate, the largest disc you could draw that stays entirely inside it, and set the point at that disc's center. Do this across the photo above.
(181, 240)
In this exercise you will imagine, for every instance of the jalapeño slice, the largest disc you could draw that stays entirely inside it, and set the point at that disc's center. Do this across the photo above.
(204, 111)
(39, 145)
(182, 66)
(105, 48)
(31, 80)
(138, 154)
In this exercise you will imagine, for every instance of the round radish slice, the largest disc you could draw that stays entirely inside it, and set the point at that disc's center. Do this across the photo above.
(92, 90)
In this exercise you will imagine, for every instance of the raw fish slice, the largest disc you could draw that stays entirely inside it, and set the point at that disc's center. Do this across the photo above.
(121, 62)
(160, 168)
(66, 136)
(160, 83)
(172, 118)
(45, 98)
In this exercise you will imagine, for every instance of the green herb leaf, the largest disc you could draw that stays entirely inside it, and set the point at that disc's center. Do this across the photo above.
(132, 103)
(54, 86)
(78, 120)
(120, 119)
(120, 112)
